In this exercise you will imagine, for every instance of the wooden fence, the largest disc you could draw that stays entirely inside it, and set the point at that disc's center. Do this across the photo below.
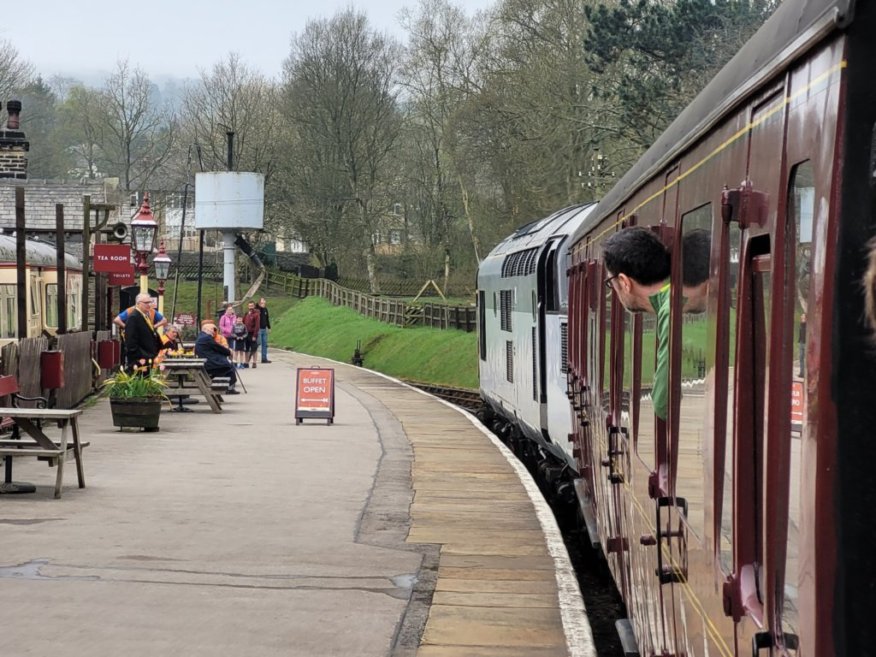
(22, 359)
(384, 309)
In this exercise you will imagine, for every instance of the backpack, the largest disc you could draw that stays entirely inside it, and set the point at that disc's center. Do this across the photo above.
(239, 329)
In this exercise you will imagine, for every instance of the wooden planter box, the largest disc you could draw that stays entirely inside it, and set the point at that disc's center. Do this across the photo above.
(143, 413)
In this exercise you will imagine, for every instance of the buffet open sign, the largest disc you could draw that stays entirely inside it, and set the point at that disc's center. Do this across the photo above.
(112, 258)
(315, 394)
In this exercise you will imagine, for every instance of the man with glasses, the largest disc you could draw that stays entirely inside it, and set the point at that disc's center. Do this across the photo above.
(141, 340)
(638, 267)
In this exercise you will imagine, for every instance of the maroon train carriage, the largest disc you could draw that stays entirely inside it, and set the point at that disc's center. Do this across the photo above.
(744, 524)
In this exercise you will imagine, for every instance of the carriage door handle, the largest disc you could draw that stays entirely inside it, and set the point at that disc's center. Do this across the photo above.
(674, 572)
(613, 461)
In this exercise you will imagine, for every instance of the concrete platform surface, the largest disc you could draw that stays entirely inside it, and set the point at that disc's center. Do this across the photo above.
(243, 534)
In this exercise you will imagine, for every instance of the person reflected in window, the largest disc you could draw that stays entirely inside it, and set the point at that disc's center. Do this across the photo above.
(696, 246)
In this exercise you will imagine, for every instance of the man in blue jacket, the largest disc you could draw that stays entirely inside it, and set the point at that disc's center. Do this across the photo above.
(217, 356)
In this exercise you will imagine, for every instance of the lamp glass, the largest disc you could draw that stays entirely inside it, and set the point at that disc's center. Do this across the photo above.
(142, 237)
(162, 267)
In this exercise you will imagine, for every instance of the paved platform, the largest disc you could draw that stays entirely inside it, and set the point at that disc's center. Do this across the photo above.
(401, 529)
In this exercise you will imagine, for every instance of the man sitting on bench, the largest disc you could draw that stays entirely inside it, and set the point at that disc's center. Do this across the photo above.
(217, 364)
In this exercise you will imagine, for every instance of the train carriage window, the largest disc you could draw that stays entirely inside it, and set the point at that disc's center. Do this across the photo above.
(645, 433)
(8, 311)
(731, 256)
(73, 309)
(801, 209)
(52, 305)
(606, 352)
(482, 324)
(34, 297)
(696, 245)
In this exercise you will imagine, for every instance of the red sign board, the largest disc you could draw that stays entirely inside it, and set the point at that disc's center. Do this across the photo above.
(112, 258)
(184, 319)
(315, 394)
(120, 279)
(798, 401)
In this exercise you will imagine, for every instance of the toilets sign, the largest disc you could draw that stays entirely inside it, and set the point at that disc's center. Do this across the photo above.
(315, 394)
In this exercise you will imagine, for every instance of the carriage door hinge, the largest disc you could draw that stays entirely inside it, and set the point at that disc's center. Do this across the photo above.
(744, 205)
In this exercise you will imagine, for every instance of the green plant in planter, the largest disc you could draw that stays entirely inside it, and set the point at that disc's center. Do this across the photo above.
(136, 398)
(137, 385)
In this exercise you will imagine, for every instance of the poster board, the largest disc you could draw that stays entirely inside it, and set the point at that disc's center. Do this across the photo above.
(315, 394)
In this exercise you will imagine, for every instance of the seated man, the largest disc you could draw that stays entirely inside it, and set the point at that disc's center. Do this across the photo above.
(216, 355)
(170, 343)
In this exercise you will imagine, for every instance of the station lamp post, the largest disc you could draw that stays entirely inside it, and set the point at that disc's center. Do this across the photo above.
(143, 229)
(162, 263)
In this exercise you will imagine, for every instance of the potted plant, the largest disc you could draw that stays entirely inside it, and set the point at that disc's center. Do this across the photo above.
(136, 397)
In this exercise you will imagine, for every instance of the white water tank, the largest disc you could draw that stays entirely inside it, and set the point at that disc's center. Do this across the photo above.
(229, 200)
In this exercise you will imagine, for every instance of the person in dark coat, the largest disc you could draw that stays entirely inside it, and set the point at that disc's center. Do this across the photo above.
(264, 328)
(141, 341)
(216, 355)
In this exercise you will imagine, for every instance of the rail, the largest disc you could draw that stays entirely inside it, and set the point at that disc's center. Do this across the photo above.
(462, 397)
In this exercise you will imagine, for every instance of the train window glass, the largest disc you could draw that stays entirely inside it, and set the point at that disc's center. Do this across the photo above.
(534, 366)
(8, 311)
(627, 393)
(731, 257)
(557, 286)
(52, 305)
(34, 298)
(696, 245)
(801, 208)
(646, 434)
(73, 310)
(482, 324)
(606, 352)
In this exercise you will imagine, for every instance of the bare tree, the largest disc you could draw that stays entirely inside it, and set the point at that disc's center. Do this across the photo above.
(138, 135)
(15, 72)
(341, 102)
(232, 98)
(82, 125)
(438, 76)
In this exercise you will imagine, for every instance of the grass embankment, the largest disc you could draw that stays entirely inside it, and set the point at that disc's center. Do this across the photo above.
(314, 326)
(211, 298)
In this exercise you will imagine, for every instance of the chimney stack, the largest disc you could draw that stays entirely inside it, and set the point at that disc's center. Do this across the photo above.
(13, 145)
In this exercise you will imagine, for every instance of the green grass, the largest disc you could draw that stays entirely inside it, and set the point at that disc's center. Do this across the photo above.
(314, 326)
(211, 298)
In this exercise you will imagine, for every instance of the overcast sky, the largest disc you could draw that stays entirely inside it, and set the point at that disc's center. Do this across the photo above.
(175, 37)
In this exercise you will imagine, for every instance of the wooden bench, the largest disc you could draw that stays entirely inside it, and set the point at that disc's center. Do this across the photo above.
(28, 438)
(190, 377)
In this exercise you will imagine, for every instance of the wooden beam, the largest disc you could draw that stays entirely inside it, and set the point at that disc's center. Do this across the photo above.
(21, 263)
(62, 268)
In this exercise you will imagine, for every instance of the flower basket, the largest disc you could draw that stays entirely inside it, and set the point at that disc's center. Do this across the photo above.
(136, 398)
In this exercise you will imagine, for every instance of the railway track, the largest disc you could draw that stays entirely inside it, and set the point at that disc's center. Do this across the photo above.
(465, 398)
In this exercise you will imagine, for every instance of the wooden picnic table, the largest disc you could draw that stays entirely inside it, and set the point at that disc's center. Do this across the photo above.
(189, 374)
(38, 444)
